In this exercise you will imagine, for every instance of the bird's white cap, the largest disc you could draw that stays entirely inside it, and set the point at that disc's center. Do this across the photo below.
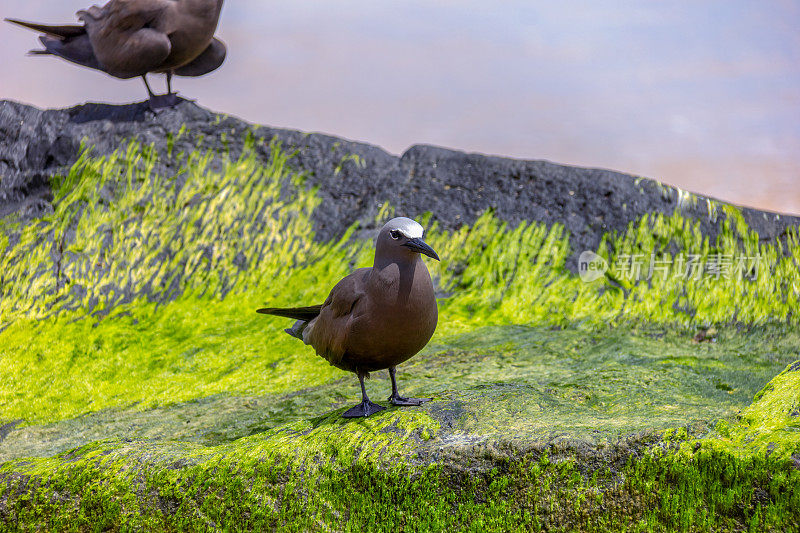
(410, 228)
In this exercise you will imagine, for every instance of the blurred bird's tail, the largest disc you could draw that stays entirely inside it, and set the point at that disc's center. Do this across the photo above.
(63, 31)
(70, 42)
(303, 315)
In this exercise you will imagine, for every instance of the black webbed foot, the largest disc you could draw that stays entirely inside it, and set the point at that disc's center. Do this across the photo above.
(404, 402)
(365, 408)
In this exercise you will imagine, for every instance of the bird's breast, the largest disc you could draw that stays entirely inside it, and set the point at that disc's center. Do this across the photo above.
(398, 320)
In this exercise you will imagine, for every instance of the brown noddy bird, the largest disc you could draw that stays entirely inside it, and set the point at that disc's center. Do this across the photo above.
(131, 38)
(375, 318)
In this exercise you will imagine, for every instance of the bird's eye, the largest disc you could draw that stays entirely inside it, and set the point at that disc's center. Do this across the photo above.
(395, 234)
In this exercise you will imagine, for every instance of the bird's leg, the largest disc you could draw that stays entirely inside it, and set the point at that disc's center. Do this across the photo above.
(366, 407)
(149, 90)
(396, 399)
(169, 82)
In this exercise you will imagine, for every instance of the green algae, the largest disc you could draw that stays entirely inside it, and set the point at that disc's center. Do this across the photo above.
(259, 483)
(121, 232)
(520, 383)
(124, 475)
(521, 276)
(127, 312)
(149, 359)
(137, 224)
(771, 425)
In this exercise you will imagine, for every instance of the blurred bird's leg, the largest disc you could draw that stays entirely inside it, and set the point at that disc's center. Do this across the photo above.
(366, 407)
(149, 90)
(396, 399)
(174, 95)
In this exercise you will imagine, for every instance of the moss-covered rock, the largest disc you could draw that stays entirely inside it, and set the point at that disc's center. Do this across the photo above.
(139, 390)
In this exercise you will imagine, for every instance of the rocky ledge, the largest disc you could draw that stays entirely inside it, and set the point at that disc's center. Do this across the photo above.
(139, 390)
(354, 179)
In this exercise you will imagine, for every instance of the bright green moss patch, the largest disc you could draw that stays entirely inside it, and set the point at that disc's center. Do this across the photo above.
(186, 350)
(121, 233)
(136, 225)
(257, 483)
(508, 383)
(771, 425)
(503, 276)
(134, 483)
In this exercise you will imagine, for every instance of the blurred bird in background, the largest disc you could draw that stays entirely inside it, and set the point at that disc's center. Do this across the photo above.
(133, 38)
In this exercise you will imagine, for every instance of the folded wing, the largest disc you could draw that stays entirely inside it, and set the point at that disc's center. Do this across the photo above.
(125, 35)
(211, 59)
(328, 332)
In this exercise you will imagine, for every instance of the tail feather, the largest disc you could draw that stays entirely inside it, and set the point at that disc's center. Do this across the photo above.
(62, 31)
(70, 42)
(298, 313)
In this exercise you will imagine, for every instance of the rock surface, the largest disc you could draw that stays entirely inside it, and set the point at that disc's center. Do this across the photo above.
(355, 179)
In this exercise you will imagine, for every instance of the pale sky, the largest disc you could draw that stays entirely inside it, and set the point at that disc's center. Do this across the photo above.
(703, 95)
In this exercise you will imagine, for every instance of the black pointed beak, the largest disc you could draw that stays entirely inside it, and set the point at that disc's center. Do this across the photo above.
(418, 245)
